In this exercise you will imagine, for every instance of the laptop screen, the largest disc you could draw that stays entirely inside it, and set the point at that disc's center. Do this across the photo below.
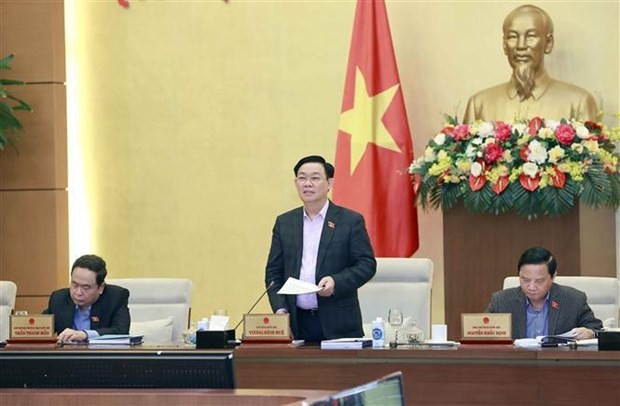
(385, 391)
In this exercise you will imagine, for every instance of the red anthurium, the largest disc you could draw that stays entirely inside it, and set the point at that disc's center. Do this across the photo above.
(448, 130)
(534, 125)
(559, 179)
(501, 184)
(476, 182)
(528, 183)
(123, 3)
(524, 152)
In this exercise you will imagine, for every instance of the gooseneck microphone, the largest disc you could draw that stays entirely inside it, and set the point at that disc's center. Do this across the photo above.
(254, 305)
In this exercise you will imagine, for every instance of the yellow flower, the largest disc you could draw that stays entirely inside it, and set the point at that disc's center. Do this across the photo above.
(545, 133)
(592, 145)
(555, 154)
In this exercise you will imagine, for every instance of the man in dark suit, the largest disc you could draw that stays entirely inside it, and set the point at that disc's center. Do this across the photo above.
(540, 307)
(89, 308)
(323, 244)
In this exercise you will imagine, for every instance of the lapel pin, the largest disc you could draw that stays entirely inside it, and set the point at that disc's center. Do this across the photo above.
(555, 304)
(331, 224)
(94, 319)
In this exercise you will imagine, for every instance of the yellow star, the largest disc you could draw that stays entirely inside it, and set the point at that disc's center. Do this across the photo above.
(364, 122)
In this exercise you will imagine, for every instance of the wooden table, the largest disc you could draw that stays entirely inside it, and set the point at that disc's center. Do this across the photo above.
(470, 374)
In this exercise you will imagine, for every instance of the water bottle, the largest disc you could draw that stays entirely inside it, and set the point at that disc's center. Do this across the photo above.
(378, 333)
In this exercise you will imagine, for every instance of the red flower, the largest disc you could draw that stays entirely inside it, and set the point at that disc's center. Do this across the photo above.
(559, 179)
(448, 130)
(461, 132)
(534, 125)
(502, 131)
(492, 153)
(477, 182)
(524, 152)
(528, 183)
(565, 134)
(501, 184)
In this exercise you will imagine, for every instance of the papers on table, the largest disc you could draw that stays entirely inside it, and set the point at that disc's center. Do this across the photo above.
(440, 343)
(558, 339)
(346, 343)
(116, 339)
(294, 286)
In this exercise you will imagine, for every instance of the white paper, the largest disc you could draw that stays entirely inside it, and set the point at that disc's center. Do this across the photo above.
(527, 343)
(218, 323)
(294, 286)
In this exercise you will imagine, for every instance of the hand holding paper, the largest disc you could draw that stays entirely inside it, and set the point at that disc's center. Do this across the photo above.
(294, 286)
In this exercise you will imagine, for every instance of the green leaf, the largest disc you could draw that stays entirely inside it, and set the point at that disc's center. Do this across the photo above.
(6, 61)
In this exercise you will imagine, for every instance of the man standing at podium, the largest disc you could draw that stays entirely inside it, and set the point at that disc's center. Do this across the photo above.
(540, 307)
(89, 308)
(323, 244)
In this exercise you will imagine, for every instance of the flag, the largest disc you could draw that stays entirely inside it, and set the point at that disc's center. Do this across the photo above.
(374, 148)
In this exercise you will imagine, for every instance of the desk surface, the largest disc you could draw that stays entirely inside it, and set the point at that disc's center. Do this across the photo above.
(469, 374)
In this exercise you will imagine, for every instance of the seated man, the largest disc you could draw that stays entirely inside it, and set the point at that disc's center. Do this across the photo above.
(89, 307)
(540, 307)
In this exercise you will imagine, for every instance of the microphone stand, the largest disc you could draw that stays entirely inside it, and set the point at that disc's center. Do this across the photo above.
(254, 305)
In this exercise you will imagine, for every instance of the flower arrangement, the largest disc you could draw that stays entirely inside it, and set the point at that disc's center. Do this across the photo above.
(536, 167)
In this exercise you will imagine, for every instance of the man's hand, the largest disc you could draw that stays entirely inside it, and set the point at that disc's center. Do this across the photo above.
(583, 333)
(71, 336)
(327, 286)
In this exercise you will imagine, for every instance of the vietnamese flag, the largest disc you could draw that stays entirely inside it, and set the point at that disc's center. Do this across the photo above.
(374, 149)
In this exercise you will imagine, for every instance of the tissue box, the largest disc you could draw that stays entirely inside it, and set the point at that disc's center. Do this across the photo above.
(215, 339)
(609, 340)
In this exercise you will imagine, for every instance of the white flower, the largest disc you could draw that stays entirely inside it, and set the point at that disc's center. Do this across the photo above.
(489, 141)
(530, 169)
(485, 129)
(429, 154)
(538, 153)
(582, 132)
(476, 141)
(440, 139)
(476, 169)
(545, 133)
(519, 128)
(552, 124)
(470, 151)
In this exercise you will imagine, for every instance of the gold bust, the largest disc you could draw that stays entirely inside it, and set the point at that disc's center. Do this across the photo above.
(528, 36)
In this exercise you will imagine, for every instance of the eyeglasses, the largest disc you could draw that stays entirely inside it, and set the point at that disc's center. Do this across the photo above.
(312, 179)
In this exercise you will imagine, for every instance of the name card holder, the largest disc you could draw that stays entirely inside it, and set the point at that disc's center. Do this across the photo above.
(266, 328)
(486, 328)
(31, 329)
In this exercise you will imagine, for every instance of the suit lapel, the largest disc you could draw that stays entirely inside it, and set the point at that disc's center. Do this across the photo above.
(95, 314)
(298, 236)
(554, 310)
(519, 312)
(329, 229)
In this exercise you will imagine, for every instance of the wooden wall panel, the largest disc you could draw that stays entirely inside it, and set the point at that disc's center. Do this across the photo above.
(33, 30)
(42, 159)
(32, 304)
(34, 240)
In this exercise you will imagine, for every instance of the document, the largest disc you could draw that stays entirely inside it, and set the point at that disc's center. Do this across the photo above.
(551, 340)
(346, 343)
(117, 339)
(294, 286)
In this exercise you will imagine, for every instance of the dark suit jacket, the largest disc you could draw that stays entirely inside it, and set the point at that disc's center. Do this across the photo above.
(568, 308)
(108, 315)
(345, 254)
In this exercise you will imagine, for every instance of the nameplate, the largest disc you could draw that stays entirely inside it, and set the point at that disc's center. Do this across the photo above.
(32, 327)
(267, 327)
(486, 327)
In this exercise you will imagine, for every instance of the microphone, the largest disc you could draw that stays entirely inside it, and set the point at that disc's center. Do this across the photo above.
(254, 305)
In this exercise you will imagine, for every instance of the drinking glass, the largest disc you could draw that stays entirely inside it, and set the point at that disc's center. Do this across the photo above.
(395, 318)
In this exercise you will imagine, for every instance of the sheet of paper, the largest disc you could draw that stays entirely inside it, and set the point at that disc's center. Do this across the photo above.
(294, 286)
(219, 323)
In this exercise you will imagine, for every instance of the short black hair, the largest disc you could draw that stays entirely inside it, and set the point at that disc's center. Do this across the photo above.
(329, 168)
(93, 263)
(537, 256)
